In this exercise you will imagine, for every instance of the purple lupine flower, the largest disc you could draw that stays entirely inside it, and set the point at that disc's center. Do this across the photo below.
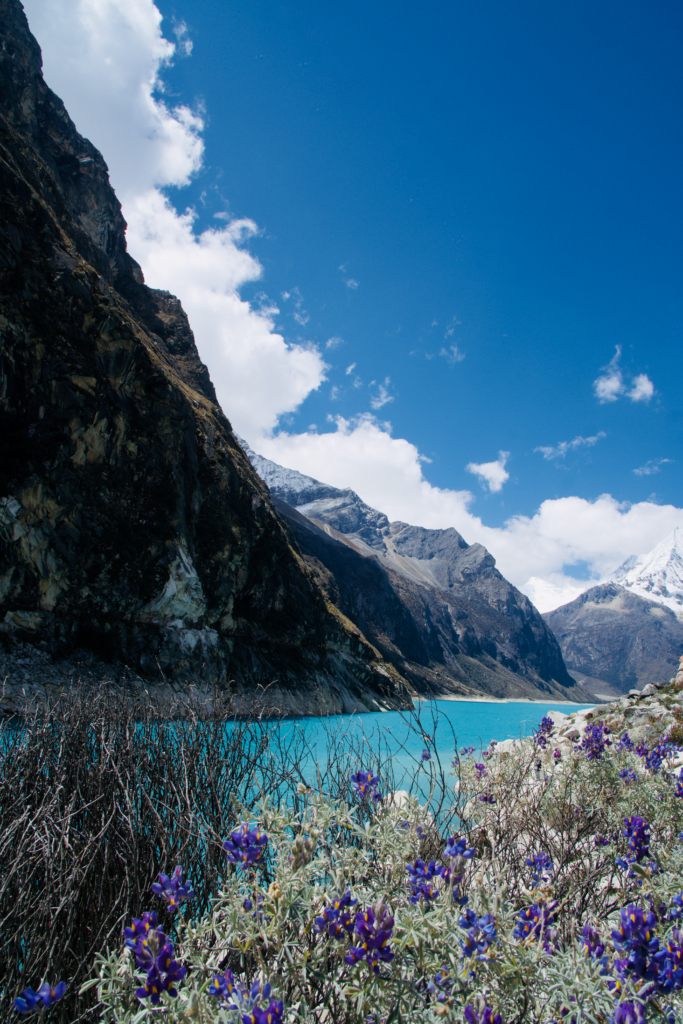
(481, 934)
(487, 798)
(374, 927)
(458, 848)
(628, 775)
(655, 757)
(637, 832)
(364, 784)
(272, 1014)
(154, 954)
(592, 944)
(636, 937)
(46, 997)
(484, 1016)
(173, 890)
(595, 741)
(629, 1013)
(625, 743)
(670, 963)
(542, 868)
(544, 732)
(557, 755)
(245, 845)
(677, 909)
(480, 770)
(140, 928)
(441, 985)
(426, 756)
(641, 750)
(222, 986)
(679, 786)
(535, 922)
(337, 920)
(466, 751)
(421, 876)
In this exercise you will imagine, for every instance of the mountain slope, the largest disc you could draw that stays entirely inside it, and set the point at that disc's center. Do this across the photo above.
(131, 523)
(611, 633)
(431, 603)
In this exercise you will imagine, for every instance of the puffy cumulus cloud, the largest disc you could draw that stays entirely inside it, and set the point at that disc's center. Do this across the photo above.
(387, 473)
(642, 389)
(491, 474)
(105, 59)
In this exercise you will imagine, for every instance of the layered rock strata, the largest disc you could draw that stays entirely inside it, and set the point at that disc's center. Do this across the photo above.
(131, 522)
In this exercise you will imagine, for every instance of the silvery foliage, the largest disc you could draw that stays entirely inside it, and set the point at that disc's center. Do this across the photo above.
(263, 921)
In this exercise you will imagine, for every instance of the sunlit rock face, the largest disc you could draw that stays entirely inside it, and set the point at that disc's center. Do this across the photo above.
(132, 523)
(613, 634)
(430, 602)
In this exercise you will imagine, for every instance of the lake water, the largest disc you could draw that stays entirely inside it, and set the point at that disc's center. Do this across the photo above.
(449, 725)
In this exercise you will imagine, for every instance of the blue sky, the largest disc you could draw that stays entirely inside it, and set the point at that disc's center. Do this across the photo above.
(502, 178)
(457, 218)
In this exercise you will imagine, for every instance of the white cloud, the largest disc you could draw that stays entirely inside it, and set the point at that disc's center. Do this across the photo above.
(105, 59)
(387, 473)
(491, 474)
(651, 467)
(334, 393)
(610, 383)
(642, 390)
(452, 355)
(350, 369)
(352, 283)
(561, 449)
(335, 343)
(554, 591)
(382, 396)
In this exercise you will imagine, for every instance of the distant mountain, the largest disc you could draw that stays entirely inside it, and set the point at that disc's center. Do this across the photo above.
(612, 634)
(657, 576)
(433, 605)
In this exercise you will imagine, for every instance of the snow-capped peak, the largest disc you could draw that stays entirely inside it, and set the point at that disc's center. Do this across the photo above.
(657, 576)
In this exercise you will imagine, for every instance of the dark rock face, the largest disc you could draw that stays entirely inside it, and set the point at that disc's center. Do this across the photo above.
(434, 605)
(611, 634)
(131, 522)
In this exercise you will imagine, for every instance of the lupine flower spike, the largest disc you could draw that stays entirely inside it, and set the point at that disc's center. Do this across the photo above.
(173, 890)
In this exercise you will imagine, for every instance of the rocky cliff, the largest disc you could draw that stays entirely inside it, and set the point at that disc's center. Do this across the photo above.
(611, 634)
(131, 523)
(434, 605)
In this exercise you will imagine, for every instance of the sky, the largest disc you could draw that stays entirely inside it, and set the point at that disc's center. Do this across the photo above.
(429, 252)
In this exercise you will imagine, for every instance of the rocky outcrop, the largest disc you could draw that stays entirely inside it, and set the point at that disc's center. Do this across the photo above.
(131, 522)
(434, 605)
(614, 635)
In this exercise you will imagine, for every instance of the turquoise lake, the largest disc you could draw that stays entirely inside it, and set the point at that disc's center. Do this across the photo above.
(449, 725)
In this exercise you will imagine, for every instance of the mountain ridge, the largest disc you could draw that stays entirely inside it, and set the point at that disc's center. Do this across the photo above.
(428, 600)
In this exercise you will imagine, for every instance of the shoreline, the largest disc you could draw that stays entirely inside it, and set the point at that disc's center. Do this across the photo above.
(509, 700)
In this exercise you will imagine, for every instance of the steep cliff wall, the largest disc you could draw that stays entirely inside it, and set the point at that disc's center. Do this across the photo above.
(131, 522)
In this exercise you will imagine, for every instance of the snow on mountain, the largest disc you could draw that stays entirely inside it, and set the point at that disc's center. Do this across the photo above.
(657, 576)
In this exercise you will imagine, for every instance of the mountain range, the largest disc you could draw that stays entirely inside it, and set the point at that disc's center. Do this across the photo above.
(434, 606)
(627, 631)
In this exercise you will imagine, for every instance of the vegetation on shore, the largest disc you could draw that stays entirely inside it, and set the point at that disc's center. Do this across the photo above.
(538, 884)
